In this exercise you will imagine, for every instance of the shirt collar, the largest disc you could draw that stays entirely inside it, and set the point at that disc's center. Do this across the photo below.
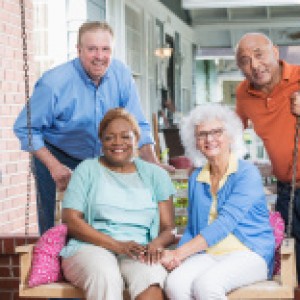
(84, 74)
(285, 76)
(204, 175)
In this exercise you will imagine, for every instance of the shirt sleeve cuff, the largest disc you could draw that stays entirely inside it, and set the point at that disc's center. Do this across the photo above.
(145, 139)
(36, 144)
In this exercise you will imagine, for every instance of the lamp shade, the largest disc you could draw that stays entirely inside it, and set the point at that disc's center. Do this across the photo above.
(164, 52)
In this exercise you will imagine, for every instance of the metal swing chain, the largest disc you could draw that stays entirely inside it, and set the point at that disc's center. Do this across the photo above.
(31, 165)
(28, 112)
(293, 185)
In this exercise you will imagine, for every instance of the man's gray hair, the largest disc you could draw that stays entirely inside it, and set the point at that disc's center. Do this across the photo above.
(203, 114)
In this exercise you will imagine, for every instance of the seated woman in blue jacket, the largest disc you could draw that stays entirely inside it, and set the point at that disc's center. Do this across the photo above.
(228, 242)
(119, 213)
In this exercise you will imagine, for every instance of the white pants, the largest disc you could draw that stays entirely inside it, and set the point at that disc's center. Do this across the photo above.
(100, 273)
(211, 277)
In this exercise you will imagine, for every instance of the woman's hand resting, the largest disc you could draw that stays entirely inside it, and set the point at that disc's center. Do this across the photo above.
(170, 260)
(152, 254)
(131, 249)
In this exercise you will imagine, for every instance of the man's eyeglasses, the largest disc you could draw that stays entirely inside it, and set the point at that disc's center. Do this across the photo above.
(214, 133)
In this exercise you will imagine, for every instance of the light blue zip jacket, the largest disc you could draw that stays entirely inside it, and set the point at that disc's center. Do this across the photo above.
(242, 211)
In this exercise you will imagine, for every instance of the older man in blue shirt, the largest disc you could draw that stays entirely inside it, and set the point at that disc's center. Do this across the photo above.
(67, 105)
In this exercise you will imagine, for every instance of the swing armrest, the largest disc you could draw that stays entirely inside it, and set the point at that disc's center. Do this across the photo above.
(25, 254)
(287, 246)
(288, 269)
(24, 248)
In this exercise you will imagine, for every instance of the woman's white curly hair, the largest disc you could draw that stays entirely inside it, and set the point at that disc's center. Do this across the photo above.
(206, 113)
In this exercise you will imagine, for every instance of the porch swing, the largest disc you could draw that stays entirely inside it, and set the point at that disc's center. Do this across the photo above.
(281, 287)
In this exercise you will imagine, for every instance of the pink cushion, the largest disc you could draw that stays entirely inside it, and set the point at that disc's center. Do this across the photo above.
(278, 228)
(45, 265)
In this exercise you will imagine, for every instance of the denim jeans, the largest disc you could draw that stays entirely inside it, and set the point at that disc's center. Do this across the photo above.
(282, 205)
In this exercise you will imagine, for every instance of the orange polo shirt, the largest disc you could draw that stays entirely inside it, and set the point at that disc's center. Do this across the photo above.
(272, 119)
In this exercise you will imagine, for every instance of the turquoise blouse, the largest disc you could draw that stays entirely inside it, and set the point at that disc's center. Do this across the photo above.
(87, 192)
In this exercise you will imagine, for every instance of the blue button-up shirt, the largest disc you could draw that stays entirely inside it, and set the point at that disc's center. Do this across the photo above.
(67, 107)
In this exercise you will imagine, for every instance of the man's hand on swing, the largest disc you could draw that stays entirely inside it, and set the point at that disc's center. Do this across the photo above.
(61, 175)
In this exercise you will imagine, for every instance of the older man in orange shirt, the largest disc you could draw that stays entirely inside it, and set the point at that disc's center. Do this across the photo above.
(269, 97)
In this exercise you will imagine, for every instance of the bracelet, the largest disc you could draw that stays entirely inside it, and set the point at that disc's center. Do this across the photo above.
(174, 231)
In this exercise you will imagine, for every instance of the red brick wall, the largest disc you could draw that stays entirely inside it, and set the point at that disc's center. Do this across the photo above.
(13, 162)
(9, 265)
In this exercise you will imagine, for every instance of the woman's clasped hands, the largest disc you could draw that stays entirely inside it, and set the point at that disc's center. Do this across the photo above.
(150, 254)
(154, 254)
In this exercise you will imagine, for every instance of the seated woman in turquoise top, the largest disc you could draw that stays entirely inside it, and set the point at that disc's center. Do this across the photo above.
(119, 213)
(228, 241)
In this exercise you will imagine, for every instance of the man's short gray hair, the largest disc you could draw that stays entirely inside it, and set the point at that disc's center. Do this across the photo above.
(204, 114)
(92, 26)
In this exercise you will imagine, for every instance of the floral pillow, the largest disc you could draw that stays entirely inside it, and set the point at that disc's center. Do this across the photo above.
(45, 265)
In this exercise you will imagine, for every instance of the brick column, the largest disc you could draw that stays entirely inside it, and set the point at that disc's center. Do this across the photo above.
(13, 161)
(9, 264)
